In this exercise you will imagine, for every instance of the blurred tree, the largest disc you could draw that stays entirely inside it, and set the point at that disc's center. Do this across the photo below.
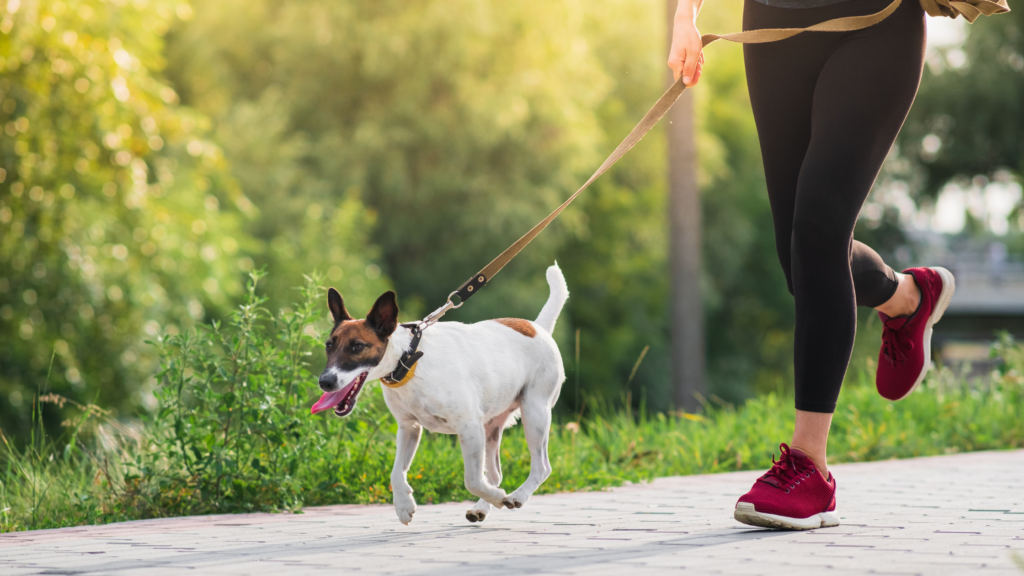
(617, 263)
(749, 309)
(686, 305)
(117, 217)
(460, 123)
(304, 223)
(968, 118)
(615, 259)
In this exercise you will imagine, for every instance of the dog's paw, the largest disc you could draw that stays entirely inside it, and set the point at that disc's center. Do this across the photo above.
(511, 503)
(475, 515)
(514, 500)
(479, 511)
(405, 511)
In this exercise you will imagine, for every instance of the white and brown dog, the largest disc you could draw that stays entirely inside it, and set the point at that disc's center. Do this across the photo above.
(473, 380)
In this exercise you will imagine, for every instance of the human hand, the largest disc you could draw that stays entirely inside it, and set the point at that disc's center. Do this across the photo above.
(686, 56)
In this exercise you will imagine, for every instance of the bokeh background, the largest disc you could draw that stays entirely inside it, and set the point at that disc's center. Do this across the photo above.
(153, 152)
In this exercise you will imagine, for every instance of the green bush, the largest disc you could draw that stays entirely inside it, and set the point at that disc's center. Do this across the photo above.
(118, 217)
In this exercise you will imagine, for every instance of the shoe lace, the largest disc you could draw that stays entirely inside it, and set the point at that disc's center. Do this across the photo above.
(785, 473)
(896, 344)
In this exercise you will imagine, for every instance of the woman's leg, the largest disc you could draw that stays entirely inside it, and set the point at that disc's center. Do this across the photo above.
(904, 300)
(810, 436)
(861, 99)
(823, 142)
(828, 108)
(781, 78)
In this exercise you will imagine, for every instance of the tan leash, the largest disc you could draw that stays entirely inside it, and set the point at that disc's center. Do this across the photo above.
(969, 9)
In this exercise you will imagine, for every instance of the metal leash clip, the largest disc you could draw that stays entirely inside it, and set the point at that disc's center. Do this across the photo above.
(436, 315)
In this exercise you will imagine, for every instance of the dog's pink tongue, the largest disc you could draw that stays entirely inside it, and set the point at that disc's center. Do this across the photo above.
(328, 400)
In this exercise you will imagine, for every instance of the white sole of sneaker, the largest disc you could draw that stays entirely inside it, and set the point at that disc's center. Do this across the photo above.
(948, 288)
(746, 514)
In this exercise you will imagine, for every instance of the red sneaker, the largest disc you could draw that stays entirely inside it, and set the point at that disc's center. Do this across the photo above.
(906, 353)
(791, 496)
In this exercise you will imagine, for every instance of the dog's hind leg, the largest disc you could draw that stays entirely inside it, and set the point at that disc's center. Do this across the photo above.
(492, 464)
(473, 442)
(408, 438)
(536, 421)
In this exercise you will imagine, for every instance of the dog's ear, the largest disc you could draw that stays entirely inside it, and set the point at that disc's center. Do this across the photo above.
(337, 306)
(383, 317)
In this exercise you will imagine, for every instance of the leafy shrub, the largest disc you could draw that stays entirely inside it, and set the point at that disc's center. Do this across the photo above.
(117, 215)
(229, 433)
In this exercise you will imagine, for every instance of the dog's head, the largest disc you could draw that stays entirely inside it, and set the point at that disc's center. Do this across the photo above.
(354, 348)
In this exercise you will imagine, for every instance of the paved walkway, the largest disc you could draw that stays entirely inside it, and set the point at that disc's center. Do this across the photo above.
(960, 514)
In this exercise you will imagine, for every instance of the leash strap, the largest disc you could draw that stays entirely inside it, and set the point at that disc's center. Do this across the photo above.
(848, 24)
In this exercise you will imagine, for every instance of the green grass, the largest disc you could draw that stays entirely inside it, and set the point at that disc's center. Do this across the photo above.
(234, 434)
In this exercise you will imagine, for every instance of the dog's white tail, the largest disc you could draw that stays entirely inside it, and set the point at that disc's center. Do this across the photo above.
(559, 294)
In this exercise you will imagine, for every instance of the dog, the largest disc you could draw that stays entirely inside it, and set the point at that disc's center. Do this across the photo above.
(474, 380)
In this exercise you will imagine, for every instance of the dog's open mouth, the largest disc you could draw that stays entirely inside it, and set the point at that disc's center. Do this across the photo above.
(343, 401)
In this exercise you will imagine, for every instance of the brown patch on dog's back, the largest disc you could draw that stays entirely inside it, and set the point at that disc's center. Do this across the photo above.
(524, 327)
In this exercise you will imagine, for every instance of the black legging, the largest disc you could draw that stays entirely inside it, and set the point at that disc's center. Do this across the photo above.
(828, 107)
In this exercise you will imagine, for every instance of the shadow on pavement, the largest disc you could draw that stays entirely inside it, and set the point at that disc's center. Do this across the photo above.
(574, 558)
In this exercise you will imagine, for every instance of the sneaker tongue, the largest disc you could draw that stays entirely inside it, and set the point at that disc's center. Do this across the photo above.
(799, 454)
(801, 459)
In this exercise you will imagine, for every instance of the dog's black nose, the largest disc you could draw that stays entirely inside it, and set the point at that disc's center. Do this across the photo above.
(326, 383)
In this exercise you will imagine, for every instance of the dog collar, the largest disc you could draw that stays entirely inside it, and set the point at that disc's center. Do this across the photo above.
(406, 368)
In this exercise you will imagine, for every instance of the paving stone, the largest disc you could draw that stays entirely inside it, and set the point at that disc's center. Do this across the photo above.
(961, 514)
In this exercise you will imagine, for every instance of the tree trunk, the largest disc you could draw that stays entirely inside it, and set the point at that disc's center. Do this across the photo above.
(688, 378)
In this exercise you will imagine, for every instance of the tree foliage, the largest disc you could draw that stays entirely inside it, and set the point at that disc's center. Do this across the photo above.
(121, 216)
(968, 118)
(616, 263)
(118, 217)
(458, 123)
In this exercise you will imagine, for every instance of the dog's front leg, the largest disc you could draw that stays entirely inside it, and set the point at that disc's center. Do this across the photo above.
(407, 439)
(471, 437)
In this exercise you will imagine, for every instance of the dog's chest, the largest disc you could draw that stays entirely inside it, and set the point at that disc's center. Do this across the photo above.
(408, 406)
(437, 424)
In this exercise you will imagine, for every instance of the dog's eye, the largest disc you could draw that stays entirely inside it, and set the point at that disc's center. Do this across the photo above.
(329, 345)
(357, 346)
